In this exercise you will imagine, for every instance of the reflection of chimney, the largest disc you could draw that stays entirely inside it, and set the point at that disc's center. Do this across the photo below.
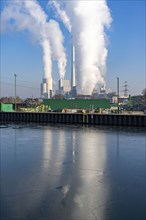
(73, 83)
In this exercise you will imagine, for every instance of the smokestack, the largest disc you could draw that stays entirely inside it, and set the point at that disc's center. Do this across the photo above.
(89, 39)
(73, 83)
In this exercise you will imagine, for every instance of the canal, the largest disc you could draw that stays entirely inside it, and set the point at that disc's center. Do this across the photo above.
(72, 172)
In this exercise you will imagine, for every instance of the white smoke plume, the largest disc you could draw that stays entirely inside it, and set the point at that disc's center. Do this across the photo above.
(88, 21)
(56, 41)
(62, 14)
(29, 16)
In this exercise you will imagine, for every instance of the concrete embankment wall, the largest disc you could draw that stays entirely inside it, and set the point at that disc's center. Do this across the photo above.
(75, 118)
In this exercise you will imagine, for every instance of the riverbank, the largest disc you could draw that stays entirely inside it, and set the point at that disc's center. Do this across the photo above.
(75, 118)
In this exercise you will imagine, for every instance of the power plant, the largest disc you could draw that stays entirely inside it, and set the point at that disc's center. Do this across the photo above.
(68, 90)
(64, 87)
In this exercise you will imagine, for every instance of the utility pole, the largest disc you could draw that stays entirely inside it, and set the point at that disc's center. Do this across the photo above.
(118, 93)
(15, 90)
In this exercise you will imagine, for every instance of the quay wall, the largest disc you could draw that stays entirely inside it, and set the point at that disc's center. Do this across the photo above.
(75, 118)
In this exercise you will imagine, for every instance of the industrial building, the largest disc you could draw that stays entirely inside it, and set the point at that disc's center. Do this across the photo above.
(47, 88)
(87, 104)
(64, 86)
(6, 107)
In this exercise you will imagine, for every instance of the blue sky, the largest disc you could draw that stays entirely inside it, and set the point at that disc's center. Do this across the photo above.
(126, 53)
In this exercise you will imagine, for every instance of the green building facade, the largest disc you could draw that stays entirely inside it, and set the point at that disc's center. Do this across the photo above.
(6, 107)
(88, 104)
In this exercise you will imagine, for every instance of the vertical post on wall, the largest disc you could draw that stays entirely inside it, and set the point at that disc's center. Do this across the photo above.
(15, 90)
(118, 93)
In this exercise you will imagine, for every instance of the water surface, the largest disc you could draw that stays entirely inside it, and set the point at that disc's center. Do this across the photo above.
(72, 172)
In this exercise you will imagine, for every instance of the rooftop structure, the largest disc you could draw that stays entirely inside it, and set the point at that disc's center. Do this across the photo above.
(64, 86)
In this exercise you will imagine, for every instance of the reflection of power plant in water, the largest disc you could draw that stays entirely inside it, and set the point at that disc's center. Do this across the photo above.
(54, 150)
(89, 177)
(55, 161)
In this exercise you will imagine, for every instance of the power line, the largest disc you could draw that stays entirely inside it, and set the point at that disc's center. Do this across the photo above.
(10, 78)
(18, 85)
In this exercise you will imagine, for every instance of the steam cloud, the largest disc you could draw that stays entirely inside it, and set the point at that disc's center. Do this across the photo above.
(29, 16)
(87, 21)
(56, 41)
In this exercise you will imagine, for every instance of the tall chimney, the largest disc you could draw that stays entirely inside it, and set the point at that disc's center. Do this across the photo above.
(73, 83)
